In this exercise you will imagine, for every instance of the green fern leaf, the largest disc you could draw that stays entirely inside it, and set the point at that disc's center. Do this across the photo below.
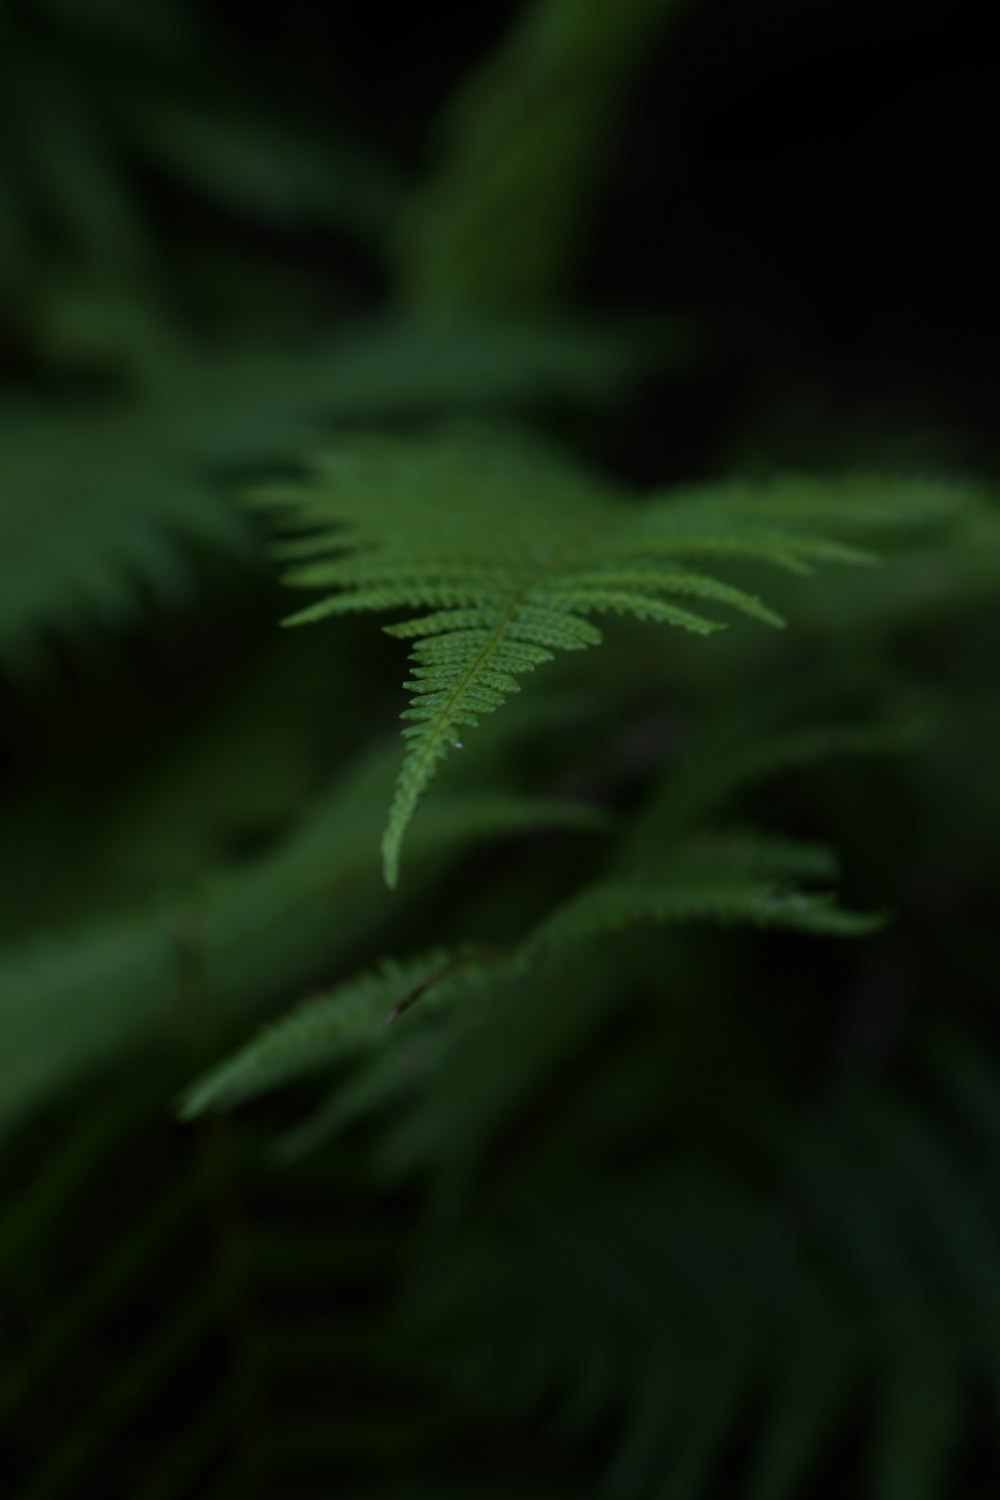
(509, 549)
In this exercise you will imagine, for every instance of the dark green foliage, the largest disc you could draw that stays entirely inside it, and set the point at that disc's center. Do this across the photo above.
(527, 134)
(644, 1143)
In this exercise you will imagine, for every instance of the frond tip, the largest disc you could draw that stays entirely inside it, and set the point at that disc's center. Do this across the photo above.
(508, 549)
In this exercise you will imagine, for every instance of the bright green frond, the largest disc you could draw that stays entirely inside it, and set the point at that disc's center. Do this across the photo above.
(510, 547)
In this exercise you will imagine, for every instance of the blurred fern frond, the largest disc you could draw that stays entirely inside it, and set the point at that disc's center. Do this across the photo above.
(509, 549)
(501, 223)
(201, 1390)
(104, 505)
(735, 878)
(706, 1314)
(95, 101)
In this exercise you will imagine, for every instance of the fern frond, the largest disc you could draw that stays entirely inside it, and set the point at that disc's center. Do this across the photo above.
(736, 878)
(617, 905)
(509, 549)
(78, 1000)
(740, 878)
(503, 218)
(103, 507)
(317, 1036)
(928, 586)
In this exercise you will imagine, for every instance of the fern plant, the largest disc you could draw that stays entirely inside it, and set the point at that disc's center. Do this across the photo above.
(509, 551)
(641, 1142)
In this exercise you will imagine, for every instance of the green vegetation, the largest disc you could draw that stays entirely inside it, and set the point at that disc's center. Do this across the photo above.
(575, 1073)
